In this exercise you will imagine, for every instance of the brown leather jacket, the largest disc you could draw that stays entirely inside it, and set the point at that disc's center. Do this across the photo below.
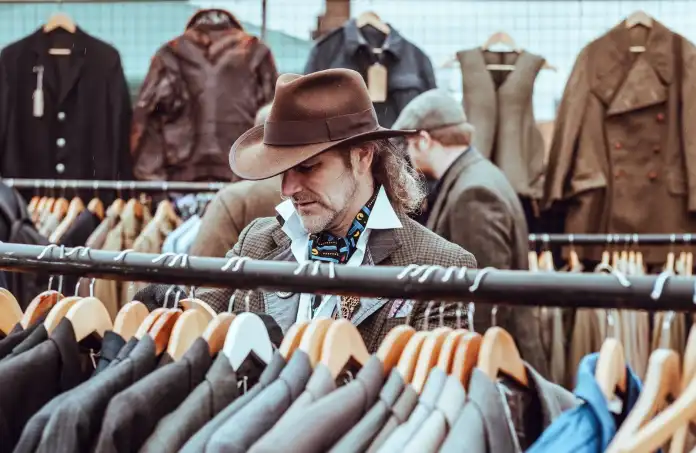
(201, 93)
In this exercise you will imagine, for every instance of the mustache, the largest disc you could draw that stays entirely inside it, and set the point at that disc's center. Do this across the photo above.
(302, 198)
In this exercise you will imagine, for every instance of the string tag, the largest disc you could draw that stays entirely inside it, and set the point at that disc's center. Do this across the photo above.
(377, 82)
(38, 96)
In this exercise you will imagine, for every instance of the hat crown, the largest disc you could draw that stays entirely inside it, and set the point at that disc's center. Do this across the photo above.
(320, 95)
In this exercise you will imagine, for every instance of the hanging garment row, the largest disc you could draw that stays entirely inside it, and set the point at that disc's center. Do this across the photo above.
(183, 378)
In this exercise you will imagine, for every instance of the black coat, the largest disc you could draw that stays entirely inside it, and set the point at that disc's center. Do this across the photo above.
(409, 70)
(83, 132)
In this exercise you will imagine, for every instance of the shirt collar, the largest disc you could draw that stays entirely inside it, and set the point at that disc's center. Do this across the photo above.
(354, 40)
(382, 217)
(588, 390)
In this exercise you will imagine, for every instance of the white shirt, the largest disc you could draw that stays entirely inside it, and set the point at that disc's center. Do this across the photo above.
(382, 217)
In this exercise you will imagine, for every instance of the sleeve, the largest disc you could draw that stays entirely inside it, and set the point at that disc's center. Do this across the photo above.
(267, 75)
(567, 127)
(122, 115)
(218, 232)
(429, 80)
(688, 110)
(161, 99)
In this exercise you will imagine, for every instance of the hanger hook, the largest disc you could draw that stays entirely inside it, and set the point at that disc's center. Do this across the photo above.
(166, 296)
(406, 271)
(45, 250)
(448, 274)
(60, 277)
(122, 256)
(177, 298)
(660, 284)
(315, 268)
(192, 292)
(460, 306)
(332, 270)
(441, 311)
(620, 276)
(300, 268)
(471, 309)
(247, 303)
(427, 314)
(429, 270)
(231, 302)
(479, 278)
(184, 260)
(163, 257)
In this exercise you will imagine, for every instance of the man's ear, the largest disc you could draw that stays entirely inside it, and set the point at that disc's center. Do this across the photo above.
(423, 141)
(362, 156)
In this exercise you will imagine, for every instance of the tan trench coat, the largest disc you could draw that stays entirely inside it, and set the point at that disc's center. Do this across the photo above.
(624, 147)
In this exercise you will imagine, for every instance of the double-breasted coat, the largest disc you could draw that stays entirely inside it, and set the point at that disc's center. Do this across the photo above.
(623, 155)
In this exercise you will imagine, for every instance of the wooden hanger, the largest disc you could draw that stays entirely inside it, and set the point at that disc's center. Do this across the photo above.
(639, 18)
(498, 354)
(59, 20)
(446, 356)
(669, 264)
(33, 203)
(372, 19)
(247, 335)
(129, 319)
(678, 442)
(117, 207)
(58, 312)
(428, 357)
(60, 208)
(188, 328)
(217, 330)
(88, 316)
(10, 311)
(533, 261)
(574, 259)
(466, 357)
(74, 209)
(161, 330)
(610, 372)
(409, 358)
(133, 208)
(313, 339)
(343, 344)
(393, 346)
(39, 306)
(292, 339)
(198, 305)
(503, 38)
(149, 321)
(96, 207)
(166, 213)
(663, 379)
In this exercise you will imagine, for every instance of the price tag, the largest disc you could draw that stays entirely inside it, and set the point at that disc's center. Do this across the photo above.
(377, 82)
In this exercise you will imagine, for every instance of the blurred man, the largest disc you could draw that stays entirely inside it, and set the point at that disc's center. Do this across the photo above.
(472, 204)
(235, 207)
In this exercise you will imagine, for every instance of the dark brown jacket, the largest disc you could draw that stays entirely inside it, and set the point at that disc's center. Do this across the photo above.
(232, 209)
(499, 105)
(201, 93)
(624, 147)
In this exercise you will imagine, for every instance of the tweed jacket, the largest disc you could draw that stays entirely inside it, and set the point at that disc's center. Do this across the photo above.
(477, 209)
(264, 239)
(503, 115)
(623, 156)
(232, 209)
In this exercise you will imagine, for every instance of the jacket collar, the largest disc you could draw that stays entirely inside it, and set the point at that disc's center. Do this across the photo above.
(626, 81)
(470, 157)
(394, 44)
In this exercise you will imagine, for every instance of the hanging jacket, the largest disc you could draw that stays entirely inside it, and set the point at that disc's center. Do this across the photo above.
(201, 93)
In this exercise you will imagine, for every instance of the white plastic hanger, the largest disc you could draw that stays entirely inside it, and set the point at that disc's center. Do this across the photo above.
(247, 335)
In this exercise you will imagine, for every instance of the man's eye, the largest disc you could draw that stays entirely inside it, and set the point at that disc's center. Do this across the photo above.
(305, 168)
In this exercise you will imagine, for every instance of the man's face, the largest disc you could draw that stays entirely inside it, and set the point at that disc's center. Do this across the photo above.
(321, 189)
(419, 152)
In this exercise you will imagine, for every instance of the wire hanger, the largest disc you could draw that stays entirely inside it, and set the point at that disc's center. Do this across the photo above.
(371, 18)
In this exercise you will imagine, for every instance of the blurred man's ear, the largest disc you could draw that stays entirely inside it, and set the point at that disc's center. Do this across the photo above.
(423, 141)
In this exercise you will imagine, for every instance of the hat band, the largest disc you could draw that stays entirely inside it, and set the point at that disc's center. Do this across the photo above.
(292, 133)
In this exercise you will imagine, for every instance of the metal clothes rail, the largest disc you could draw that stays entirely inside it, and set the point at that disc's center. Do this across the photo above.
(141, 186)
(426, 283)
(612, 239)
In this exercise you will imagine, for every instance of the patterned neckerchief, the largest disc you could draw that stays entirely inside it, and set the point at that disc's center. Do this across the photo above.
(326, 247)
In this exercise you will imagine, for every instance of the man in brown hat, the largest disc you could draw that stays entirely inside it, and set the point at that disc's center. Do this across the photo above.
(347, 190)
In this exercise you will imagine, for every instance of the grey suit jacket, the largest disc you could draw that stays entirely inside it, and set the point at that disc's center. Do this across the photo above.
(247, 426)
(478, 210)
(199, 441)
(399, 414)
(426, 403)
(321, 425)
(362, 434)
(485, 424)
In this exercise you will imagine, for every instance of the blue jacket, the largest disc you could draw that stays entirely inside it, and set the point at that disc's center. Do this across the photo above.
(589, 427)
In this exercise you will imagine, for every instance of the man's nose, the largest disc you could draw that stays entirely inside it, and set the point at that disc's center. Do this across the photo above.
(291, 184)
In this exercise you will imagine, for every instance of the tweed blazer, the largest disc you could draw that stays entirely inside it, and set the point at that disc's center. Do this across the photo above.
(478, 210)
(264, 239)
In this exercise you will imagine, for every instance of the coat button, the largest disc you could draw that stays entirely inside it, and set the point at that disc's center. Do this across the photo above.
(660, 117)
(60, 168)
(61, 116)
(652, 175)
(618, 145)
(60, 142)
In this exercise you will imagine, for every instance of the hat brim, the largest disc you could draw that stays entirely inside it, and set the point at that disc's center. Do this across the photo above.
(252, 159)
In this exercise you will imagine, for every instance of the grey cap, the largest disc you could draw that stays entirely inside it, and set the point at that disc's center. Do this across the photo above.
(431, 110)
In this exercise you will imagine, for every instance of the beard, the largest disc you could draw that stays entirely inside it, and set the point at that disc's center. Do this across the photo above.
(330, 208)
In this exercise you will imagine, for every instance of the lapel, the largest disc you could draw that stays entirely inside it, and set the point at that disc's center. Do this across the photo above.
(451, 176)
(548, 396)
(625, 81)
(61, 73)
(485, 394)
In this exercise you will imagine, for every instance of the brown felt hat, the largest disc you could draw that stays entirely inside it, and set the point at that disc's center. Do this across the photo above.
(309, 115)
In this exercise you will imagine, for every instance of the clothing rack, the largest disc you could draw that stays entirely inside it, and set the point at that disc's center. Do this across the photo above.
(612, 239)
(141, 186)
(426, 283)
